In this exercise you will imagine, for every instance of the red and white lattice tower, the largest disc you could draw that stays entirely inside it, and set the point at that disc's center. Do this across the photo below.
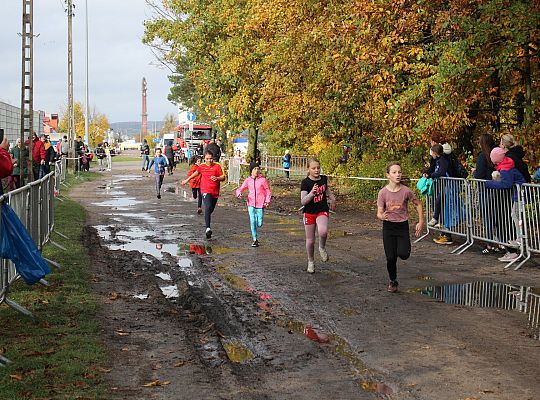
(144, 122)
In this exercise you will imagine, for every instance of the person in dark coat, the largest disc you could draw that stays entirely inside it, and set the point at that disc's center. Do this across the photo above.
(484, 166)
(169, 154)
(516, 153)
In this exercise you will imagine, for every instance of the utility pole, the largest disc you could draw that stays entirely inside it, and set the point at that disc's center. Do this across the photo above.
(70, 111)
(144, 122)
(87, 112)
(27, 86)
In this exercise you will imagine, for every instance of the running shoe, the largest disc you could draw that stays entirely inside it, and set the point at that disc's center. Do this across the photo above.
(159, 196)
(432, 222)
(443, 239)
(392, 287)
(255, 243)
(199, 210)
(324, 254)
(509, 257)
(208, 233)
(310, 267)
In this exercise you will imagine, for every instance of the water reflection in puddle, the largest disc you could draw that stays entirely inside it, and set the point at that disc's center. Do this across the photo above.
(142, 215)
(165, 276)
(185, 263)
(237, 352)
(491, 295)
(118, 202)
(169, 291)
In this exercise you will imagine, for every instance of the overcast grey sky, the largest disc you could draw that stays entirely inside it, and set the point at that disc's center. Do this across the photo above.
(117, 58)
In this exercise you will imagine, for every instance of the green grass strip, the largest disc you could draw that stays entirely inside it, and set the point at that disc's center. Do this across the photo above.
(58, 355)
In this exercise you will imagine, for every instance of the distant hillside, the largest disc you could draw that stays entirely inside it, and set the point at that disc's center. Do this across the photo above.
(133, 129)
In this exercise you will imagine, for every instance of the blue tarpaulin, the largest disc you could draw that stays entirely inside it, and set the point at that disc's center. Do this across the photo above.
(17, 246)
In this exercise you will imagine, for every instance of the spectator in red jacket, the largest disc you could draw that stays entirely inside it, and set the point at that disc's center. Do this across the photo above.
(38, 156)
(6, 162)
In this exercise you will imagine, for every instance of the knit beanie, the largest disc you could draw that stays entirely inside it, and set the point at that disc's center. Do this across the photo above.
(497, 155)
(252, 165)
(446, 148)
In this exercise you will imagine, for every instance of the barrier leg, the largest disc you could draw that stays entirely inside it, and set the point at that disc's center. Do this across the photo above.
(460, 249)
(4, 361)
(58, 245)
(61, 234)
(53, 263)
(18, 307)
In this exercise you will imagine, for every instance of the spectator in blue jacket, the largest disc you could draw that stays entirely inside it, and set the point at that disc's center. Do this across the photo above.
(441, 169)
(287, 163)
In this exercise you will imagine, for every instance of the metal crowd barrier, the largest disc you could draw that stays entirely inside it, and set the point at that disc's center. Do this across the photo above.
(34, 205)
(274, 165)
(451, 202)
(470, 210)
(492, 295)
(530, 202)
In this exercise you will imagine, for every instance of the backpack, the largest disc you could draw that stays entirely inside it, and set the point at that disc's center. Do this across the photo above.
(456, 167)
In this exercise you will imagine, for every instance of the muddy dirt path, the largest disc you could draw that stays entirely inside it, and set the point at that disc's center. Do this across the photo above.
(218, 319)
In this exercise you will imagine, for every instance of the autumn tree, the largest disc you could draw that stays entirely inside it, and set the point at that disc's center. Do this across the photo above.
(383, 75)
(98, 124)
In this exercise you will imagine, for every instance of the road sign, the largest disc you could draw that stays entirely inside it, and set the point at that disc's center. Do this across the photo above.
(156, 140)
(191, 116)
(191, 126)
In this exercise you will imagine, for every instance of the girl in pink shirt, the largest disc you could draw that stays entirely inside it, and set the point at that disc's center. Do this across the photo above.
(259, 196)
(392, 209)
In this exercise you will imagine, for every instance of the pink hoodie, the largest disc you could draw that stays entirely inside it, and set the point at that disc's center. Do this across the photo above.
(259, 191)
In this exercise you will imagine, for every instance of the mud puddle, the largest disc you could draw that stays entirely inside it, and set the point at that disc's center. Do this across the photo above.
(490, 295)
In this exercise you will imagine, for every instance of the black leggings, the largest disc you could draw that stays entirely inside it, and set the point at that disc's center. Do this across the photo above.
(209, 206)
(197, 195)
(397, 243)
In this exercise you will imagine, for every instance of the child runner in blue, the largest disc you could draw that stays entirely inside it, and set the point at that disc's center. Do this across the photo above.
(160, 163)
(317, 200)
(259, 196)
(392, 209)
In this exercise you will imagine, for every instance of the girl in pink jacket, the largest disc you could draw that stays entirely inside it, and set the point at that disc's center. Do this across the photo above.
(258, 199)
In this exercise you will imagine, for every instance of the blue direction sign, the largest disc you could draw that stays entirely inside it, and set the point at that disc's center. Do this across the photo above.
(156, 140)
(191, 116)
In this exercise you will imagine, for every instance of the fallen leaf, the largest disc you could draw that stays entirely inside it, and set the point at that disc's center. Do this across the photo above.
(157, 382)
(105, 370)
(113, 296)
(156, 366)
(16, 377)
(121, 332)
(125, 348)
(180, 364)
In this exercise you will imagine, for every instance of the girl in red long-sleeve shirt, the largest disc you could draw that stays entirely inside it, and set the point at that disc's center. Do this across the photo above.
(195, 183)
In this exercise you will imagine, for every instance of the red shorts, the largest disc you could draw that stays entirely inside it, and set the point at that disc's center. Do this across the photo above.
(309, 219)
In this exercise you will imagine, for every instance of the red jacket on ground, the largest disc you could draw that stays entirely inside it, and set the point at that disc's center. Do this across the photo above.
(6, 166)
(38, 151)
